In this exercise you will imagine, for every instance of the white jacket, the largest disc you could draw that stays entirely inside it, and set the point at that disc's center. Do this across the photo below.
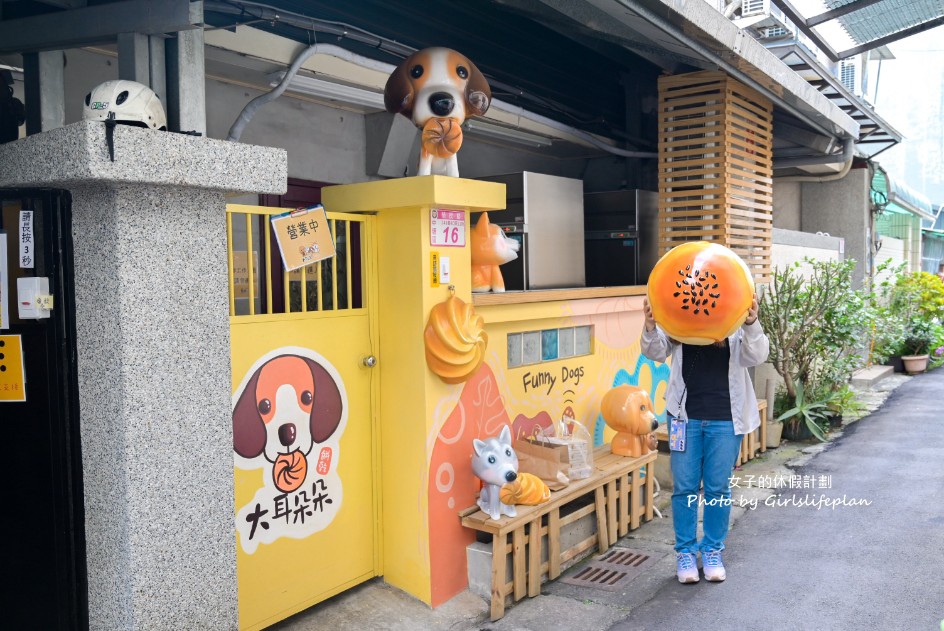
(749, 347)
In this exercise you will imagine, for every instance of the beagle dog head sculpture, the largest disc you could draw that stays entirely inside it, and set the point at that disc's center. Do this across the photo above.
(289, 404)
(438, 88)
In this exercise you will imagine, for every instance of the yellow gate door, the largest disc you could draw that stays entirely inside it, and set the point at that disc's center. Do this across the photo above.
(303, 428)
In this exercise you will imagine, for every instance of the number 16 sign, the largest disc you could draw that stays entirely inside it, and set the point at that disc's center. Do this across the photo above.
(447, 228)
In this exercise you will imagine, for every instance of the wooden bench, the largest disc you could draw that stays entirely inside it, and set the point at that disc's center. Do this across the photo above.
(622, 500)
(756, 441)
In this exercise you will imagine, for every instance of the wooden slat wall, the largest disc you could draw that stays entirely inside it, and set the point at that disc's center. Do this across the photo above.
(716, 166)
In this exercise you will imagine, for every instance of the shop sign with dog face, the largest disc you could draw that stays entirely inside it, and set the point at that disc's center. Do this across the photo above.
(289, 414)
(304, 237)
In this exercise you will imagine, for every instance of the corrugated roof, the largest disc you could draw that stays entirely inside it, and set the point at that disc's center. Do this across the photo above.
(898, 197)
(885, 18)
(868, 23)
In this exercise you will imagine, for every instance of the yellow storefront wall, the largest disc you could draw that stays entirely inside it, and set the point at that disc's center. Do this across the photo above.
(426, 426)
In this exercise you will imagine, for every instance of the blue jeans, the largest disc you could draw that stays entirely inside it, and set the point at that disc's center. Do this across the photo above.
(710, 453)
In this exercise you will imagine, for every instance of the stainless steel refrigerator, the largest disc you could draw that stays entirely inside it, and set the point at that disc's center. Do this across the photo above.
(621, 237)
(545, 214)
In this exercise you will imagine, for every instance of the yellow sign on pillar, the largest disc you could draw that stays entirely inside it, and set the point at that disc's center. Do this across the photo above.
(12, 373)
(434, 269)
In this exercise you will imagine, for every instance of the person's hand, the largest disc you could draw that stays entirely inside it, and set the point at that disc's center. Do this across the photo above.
(752, 312)
(647, 314)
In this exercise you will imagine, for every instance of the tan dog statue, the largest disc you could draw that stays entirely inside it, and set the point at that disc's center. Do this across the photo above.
(437, 89)
(628, 410)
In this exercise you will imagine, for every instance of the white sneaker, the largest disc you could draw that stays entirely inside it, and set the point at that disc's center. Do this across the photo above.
(686, 568)
(712, 565)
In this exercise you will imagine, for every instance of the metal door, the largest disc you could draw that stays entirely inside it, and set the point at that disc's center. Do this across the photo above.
(43, 523)
(303, 390)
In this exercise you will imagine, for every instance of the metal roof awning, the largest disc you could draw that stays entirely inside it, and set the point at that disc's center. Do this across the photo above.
(875, 133)
(898, 197)
(868, 23)
(702, 31)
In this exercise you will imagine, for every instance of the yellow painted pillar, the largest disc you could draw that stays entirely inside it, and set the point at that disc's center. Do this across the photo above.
(408, 390)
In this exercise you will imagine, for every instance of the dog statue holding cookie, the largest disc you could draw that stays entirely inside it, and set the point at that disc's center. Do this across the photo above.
(437, 89)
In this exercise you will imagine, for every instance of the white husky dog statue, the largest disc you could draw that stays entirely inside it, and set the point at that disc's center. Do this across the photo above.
(496, 464)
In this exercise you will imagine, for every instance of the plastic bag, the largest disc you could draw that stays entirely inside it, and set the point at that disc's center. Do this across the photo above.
(574, 436)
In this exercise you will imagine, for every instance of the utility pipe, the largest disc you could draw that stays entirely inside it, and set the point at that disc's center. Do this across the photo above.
(846, 157)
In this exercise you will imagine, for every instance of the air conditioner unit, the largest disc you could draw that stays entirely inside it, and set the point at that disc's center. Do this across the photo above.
(765, 20)
(750, 8)
(847, 74)
(774, 32)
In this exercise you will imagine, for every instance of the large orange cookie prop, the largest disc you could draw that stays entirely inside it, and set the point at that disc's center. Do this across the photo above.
(700, 292)
(442, 137)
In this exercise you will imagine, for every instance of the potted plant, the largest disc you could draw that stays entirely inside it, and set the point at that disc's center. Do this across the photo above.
(917, 345)
(815, 325)
(843, 403)
(805, 419)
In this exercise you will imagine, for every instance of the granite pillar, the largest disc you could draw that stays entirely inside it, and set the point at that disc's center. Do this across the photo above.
(152, 325)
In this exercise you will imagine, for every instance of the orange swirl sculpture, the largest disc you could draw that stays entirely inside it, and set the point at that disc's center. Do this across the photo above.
(455, 340)
(700, 292)
(527, 489)
(442, 137)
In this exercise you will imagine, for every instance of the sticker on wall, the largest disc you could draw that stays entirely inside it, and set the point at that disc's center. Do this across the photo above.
(304, 237)
(289, 414)
(12, 372)
(4, 285)
(27, 250)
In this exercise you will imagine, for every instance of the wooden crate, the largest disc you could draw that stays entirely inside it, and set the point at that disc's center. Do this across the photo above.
(621, 500)
(716, 166)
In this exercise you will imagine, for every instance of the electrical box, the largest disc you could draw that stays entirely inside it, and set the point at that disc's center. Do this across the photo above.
(33, 300)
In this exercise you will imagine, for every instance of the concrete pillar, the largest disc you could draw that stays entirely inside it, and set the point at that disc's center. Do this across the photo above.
(152, 325)
(134, 58)
(44, 90)
(158, 67)
(186, 82)
(842, 209)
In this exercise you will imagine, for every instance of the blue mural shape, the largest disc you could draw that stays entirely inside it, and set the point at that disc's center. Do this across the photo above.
(660, 374)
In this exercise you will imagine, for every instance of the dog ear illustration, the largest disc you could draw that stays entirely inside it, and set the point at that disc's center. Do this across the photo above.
(477, 446)
(398, 93)
(478, 95)
(326, 407)
(249, 433)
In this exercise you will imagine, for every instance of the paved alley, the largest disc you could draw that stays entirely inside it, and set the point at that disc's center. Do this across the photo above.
(848, 567)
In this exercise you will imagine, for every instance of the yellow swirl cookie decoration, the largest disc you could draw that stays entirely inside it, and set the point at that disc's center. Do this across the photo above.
(455, 341)
(528, 490)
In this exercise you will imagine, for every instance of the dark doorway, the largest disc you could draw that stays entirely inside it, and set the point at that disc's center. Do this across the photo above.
(43, 526)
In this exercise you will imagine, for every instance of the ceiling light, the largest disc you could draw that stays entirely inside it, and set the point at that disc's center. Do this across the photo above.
(518, 136)
(331, 91)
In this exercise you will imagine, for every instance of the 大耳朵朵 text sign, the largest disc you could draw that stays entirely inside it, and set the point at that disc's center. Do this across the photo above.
(304, 237)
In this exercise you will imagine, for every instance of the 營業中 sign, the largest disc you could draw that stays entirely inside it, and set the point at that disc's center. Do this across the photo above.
(304, 237)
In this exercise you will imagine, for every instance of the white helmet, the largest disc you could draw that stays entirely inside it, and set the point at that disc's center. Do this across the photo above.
(132, 102)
